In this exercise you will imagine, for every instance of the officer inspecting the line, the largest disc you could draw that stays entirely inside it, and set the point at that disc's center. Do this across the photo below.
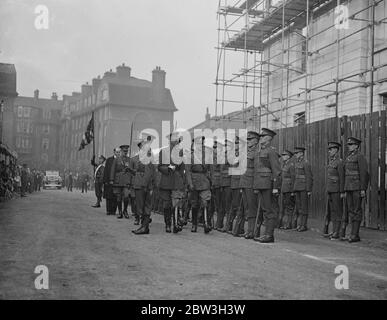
(98, 179)
(266, 172)
(335, 191)
(143, 182)
(121, 177)
(355, 185)
(110, 197)
(303, 183)
(167, 168)
(198, 181)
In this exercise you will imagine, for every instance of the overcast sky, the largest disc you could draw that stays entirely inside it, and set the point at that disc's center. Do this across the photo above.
(88, 37)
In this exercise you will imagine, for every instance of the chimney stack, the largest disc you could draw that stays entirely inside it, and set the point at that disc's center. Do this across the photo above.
(95, 84)
(109, 74)
(123, 71)
(158, 78)
(54, 96)
(86, 89)
(36, 94)
(208, 116)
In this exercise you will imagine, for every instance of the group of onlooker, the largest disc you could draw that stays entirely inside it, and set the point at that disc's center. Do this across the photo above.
(16, 180)
(79, 181)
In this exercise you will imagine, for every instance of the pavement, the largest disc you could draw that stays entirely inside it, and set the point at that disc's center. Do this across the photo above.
(90, 255)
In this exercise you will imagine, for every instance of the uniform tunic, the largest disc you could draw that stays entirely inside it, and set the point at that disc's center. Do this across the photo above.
(335, 186)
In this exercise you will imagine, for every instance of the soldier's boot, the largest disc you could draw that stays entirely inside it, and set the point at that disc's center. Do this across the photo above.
(119, 206)
(167, 220)
(194, 219)
(231, 224)
(268, 237)
(175, 220)
(326, 233)
(336, 230)
(207, 227)
(250, 228)
(294, 222)
(144, 229)
(126, 204)
(354, 237)
(226, 224)
(97, 204)
(136, 220)
(304, 220)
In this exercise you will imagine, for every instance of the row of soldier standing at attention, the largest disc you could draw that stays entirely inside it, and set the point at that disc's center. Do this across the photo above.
(272, 192)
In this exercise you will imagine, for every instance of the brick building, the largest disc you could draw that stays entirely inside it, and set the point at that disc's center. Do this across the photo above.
(118, 99)
(35, 130)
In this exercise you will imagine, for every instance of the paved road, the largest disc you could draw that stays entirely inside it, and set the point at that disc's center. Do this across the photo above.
(94, 256)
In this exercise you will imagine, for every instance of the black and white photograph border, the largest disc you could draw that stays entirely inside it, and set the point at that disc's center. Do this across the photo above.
(244, 161)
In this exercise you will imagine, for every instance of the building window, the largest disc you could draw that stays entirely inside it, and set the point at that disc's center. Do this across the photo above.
(299, 118)
(27, 112)
(20, 111)
(47, 114)
(46, 129)
(18, 142)
(45, 144)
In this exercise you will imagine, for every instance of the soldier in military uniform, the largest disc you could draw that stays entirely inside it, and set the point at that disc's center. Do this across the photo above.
(199, 184)
(143, 182)
(355, 185)
(246, 185)
(266, 172)
(225, 184)
(286, 189)
(169, 180)
(302, 188)
(121, 177)
(98, 179)
(236, 195)
(335, 190)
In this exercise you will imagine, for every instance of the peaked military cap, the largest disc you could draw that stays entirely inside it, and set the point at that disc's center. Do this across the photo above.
(252, 134)
(334, 144)
(267, 132)
(288, 153)
(299, 149)
(353, 140)
(124, 146)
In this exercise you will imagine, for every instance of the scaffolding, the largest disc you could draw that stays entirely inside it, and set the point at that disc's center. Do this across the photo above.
(249, 28)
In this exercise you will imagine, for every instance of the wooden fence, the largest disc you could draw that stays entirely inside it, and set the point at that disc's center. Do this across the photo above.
(315, 137)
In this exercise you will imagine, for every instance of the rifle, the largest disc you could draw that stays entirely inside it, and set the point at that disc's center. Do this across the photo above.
(327, 218)
(344, 221)
(256, 227)
(131, 139)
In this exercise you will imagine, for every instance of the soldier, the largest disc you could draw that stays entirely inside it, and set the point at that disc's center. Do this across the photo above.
(225, 184)
(110, 197)
(199, 184)
(70, 182)
(170, 181)
(236, 195)
(286, 189)
(24, 180)
(355, 186)
(246, 184)
(121, 177)
(98, 179)
(335, 191)
(143, 183)
(303, 183)
(266, 172)
(215, 177)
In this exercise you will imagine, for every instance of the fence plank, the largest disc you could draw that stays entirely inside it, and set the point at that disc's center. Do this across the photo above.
(374, 177)
(382, 188)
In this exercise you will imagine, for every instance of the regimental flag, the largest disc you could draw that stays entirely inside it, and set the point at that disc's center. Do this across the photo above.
(88, 136)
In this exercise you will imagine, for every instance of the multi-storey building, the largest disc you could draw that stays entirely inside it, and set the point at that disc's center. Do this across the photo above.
(35, 130)
(117, 101)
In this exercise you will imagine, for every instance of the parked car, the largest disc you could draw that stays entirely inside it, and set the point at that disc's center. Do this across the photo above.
(52, 179)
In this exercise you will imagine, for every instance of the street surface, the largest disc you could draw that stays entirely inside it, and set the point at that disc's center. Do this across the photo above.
(90, 255)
